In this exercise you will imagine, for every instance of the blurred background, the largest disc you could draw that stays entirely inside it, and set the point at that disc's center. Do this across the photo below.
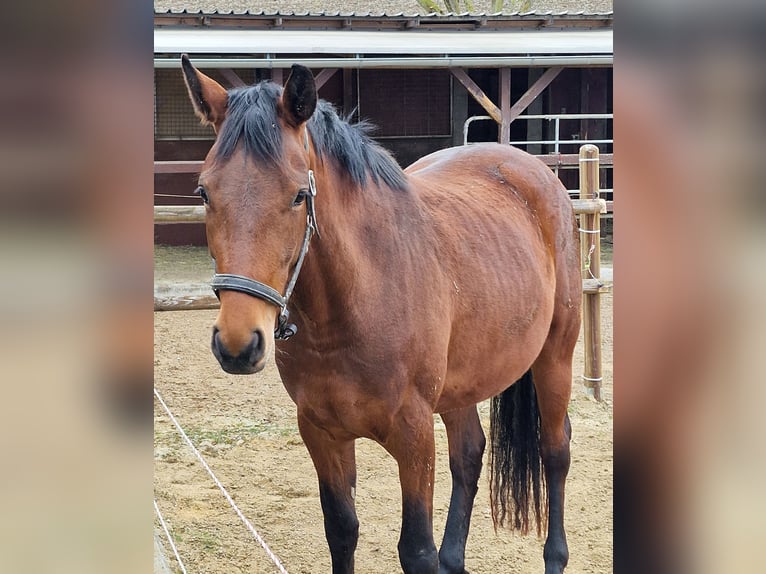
(76, 237)
(689, 310)
(76, 289)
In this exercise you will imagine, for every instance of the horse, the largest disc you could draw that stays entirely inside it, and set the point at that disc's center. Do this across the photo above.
(388, 295)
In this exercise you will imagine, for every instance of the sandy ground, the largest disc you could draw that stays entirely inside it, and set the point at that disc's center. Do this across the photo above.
(246, 429)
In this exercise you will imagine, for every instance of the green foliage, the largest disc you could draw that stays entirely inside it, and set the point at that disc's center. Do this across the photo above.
(514, 5)
(459, 6)
(431, 6)
(454, 6)
(450, 6)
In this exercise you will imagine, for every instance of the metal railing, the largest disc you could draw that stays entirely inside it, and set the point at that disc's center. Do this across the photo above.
(556, 142)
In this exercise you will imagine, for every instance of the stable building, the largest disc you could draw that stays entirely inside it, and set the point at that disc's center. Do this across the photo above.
(540, 80)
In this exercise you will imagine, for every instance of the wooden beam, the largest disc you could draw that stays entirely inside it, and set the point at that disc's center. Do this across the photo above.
(196, 213)
(593, 286)
(185, 302)
(534, 90)
(590, 206)
(321, 78)
(178, 166)
(232, 77)
(504, 131)
(179, 214)
(561, 159)
(478, 94)
(349, 105)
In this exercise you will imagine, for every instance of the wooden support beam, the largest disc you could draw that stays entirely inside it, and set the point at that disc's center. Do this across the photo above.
(492, 110)
(349, 104)
(534, 90)
(504, 130)
(321, 78)
(232, 77)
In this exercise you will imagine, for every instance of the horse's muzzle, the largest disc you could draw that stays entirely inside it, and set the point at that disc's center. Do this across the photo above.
(248, 361)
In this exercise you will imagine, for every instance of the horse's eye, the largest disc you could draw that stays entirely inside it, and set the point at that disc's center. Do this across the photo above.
(300, 198)
(202, 193)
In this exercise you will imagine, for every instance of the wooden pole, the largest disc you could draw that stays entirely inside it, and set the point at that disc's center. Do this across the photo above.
(504, 129)
(590, 250)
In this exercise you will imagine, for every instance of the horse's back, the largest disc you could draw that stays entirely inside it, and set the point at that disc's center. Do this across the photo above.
(509, 168)
(497, 183)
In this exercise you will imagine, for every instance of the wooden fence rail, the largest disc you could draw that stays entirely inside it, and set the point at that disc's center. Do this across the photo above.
(196, 213)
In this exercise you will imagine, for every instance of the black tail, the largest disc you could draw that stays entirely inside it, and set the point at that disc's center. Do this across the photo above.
(516, 476)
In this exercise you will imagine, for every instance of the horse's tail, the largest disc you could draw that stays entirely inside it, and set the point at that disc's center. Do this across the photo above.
(516, 477)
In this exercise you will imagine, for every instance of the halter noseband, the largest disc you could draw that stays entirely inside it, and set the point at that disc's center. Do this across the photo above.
(230, 282)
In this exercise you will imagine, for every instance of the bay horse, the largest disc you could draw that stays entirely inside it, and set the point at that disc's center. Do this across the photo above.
(388, 295)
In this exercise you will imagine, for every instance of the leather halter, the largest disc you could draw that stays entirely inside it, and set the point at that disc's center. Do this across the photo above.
(230, 282)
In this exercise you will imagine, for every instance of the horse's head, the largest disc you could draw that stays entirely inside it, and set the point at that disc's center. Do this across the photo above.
(255, 185)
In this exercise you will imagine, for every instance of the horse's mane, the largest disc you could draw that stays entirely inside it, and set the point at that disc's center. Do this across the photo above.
(252, 119)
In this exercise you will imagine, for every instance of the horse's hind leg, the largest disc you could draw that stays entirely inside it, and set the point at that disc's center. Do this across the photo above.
(335, 463)
(466, 447)
(552, 374)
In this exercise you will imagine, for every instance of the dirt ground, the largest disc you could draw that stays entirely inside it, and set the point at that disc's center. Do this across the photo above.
(246, 429)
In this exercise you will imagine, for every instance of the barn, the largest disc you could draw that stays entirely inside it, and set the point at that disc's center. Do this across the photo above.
(541, 80)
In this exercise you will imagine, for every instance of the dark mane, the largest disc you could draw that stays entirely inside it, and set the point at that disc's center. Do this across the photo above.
(252, 118)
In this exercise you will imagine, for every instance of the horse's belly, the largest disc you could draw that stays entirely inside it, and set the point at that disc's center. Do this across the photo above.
(484, 363)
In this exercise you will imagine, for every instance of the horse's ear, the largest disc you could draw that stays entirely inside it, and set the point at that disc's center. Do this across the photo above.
(299, 99)
(208, 97)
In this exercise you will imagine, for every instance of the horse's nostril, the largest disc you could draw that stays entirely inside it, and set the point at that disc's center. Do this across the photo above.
(218, 349)
(256, 347)
(246, 359)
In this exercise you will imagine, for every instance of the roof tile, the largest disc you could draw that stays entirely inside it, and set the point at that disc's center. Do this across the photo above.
(368, 8)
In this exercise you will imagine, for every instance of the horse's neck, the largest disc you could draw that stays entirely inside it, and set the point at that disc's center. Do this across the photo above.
(360, 237)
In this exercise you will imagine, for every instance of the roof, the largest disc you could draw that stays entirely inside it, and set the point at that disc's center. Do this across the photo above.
(383, 33)
(368, 8)
(244, 41)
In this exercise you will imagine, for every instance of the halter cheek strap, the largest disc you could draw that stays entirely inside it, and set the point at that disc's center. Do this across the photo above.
(231, 282)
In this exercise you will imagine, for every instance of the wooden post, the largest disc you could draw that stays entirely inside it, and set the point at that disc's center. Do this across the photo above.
(590, 250)
(349, 103)
(504, 129)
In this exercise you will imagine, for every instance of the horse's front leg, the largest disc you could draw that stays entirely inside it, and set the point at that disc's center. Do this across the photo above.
(411, 443)
(335, 463)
